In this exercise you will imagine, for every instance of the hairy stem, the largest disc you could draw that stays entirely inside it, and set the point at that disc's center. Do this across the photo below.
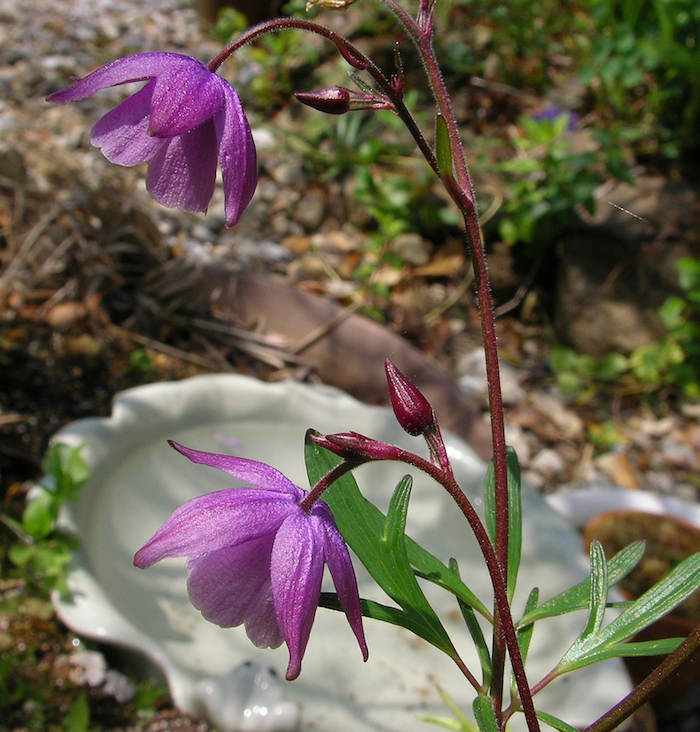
(461, 190)
(351, 54)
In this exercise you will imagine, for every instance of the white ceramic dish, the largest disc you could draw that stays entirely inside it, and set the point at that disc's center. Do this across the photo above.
(582, 505)
(137, 480)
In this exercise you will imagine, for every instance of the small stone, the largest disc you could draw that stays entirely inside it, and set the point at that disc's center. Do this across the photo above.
(411, 248)
(307, 268)
(678, 454)
(548, 463)
(310, 211)
(472, 377)
(570, 424)
(517, 439)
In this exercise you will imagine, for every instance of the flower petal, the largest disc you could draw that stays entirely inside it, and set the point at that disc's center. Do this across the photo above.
(184, 98)
(122, 134)
(343, 573)
(232, 586)
(138, 67)
(249, 471)
(215, 520)
(236, 154)
(296, 571)
(183, 171)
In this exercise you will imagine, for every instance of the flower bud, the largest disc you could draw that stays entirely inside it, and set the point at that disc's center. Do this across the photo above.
(353, 446)
(335, 100)
(412, 409)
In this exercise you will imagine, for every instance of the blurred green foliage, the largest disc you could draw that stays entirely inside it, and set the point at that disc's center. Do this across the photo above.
(547, 179)
(673, 362)
(43, 550)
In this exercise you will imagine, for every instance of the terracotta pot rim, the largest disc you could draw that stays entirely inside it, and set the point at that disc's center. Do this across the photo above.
(638, 512)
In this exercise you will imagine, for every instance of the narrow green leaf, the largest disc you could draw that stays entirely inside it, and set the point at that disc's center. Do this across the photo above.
(443, 148)
(377, 544)
(577, 597)
(78, 717)
(395, 524)
(599, 590)
(484, 715)
(451, 704)
(671, 591)
(447, 723)
(621, 650)
(555, 722)
(374, 611)
(515, 520)
(667, 594)
(525, 636)
(476, 633)
(354, 515)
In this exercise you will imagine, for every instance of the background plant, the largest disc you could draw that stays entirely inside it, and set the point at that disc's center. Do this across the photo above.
(43, 550)
(673, 362)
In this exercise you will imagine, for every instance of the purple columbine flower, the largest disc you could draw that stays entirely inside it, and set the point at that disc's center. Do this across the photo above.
(256, 557)
(182, 120)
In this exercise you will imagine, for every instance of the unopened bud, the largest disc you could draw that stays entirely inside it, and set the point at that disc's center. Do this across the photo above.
(335, 100)
(412, 409)
(353, 446)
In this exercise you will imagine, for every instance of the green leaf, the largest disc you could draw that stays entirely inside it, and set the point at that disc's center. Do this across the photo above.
(577, 597)
(599, 590)
(663, 597)
(515, 519)
(443, 148)
(40, 514)
(484, 715)
(67, 468)
(624, 650)
(525, 636)
(355, 514)
(461, 722)
(476, 633)
(525, 633)
(21, 554)
(381, 547)
(78, 717)
(666, 595)
(555, 722)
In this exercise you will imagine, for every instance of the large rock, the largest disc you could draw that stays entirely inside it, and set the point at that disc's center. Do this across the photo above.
(615, 274)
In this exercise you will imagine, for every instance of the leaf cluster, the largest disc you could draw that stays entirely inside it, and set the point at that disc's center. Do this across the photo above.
(397, 564)
(42, 551)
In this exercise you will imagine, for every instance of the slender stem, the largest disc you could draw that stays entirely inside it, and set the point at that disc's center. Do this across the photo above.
(461, 190)
(351, 54)
(685, 653)
(327, 481)
(506, 627)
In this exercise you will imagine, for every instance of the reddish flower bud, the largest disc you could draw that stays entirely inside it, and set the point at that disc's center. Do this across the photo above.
(353, 446)
(335, 100)
(412, 409)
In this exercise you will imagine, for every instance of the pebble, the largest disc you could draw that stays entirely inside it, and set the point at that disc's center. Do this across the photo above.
(411, 248)
(570, 424)
(310, 211)
(548, 463)
(678, 454)
(471, 370)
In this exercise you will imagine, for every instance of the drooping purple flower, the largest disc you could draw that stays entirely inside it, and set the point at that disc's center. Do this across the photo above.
(256, 557)
(182, 120)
